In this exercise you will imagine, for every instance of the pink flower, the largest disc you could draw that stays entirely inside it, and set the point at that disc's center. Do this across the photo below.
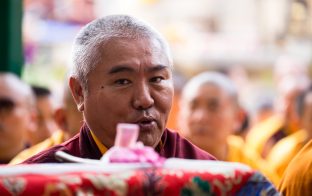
(135, 154)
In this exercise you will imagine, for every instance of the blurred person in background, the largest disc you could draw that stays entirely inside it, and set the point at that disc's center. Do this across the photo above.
(210, 115)
(45, 105)
(69, 121)
(239, 76)
(291, 78)
(68, 117)
(286, 149)
(17, 115)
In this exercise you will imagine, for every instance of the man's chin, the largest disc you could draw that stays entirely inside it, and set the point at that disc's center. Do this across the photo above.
(149, 140)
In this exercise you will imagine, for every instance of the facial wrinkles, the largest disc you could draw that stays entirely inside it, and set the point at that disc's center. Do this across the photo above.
(150, 92)
(149, 52)
(130, 57)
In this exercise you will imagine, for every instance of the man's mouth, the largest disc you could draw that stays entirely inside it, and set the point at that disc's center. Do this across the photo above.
(201, 130)
(147, 123)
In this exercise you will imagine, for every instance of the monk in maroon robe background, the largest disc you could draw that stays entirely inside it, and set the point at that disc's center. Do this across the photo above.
(122, 73)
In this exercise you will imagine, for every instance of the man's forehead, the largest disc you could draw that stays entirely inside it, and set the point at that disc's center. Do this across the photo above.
(128, 55)
(15, 92)
(16, 97)
(132, 68)
(200, 92)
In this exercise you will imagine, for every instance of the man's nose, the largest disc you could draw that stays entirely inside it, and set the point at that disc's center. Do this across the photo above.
(142, 98)
(3, 114)
(200, 115)
(2, 125)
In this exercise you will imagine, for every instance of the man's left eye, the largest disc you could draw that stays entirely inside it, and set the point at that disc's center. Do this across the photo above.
(121, 82)
(156, 79)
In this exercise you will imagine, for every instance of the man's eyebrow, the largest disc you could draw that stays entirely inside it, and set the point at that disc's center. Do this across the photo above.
(124, 68)
(120, 68)
(157, 68)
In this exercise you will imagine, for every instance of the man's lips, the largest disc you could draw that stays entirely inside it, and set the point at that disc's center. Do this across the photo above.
(145, 120)
(146, 123)
(201, 130)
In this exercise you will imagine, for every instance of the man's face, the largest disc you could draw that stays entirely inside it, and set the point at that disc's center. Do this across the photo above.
(15, 120)
(133, 84)
(287, 107)
(46, 123)
(208, 116)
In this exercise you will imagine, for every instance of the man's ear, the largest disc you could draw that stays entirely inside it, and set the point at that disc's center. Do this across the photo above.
(34, 119)
(77, 92)
(241, 115)
(32, 127)
(60, 118)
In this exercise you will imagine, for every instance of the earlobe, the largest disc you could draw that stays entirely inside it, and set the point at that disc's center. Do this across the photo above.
(241, 116)
(80, 107)
(33, 125)
(77, 92)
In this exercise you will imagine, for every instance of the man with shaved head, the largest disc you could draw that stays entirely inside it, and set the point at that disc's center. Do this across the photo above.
(209, 117)
(68, 119)
(17, 115)
(122, 73)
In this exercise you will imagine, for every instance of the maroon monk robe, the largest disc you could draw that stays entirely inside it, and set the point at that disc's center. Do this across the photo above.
(82, 145)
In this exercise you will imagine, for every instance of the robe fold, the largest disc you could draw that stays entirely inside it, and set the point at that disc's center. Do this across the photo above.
(263, 136)
(83, 145)
(285, 150)
(297, 179)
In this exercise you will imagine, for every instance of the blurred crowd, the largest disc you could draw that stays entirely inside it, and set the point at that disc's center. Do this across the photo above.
(33, 119)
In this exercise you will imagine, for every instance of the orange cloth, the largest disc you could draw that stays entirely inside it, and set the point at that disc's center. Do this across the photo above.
(238, 151)
(285, 150)
(56, 138)
(261, 133)
(297, 179)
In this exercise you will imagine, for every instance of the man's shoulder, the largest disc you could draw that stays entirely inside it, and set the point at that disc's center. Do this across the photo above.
(177, 146)
(48, 155)
(27, 153)
(297, 178)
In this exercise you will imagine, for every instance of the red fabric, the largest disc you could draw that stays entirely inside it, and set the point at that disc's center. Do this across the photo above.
(82, 145)
(132, 182)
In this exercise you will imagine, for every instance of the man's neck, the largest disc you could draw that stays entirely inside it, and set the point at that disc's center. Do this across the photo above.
(220, 151)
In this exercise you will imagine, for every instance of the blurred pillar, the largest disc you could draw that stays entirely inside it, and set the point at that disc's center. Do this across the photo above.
(11, 49)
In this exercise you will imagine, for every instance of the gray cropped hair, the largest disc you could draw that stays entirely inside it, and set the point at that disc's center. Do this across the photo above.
(215, 78)
(86, 49)
(22, 88)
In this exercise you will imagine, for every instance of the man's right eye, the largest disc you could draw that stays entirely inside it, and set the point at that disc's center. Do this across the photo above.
(122, 82)
(193, 105)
